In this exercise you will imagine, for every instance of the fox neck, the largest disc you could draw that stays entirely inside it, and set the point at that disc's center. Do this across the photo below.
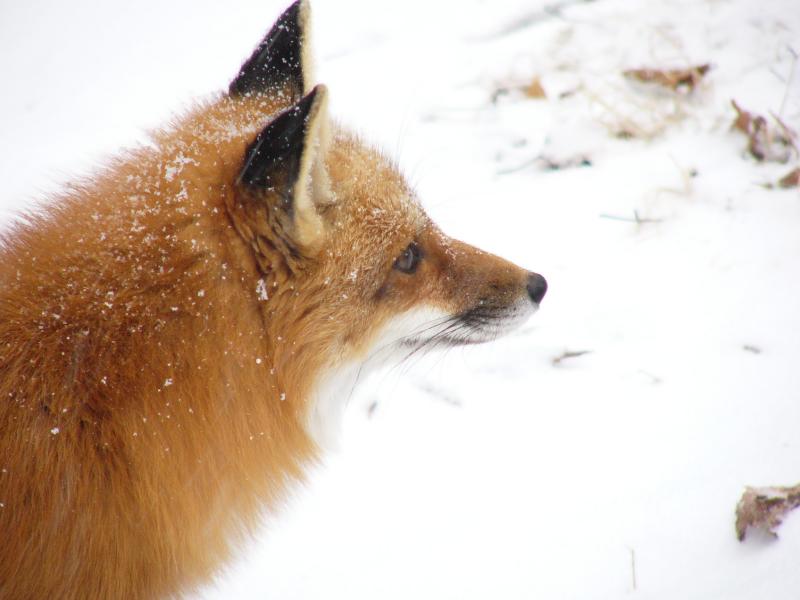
(337, 384)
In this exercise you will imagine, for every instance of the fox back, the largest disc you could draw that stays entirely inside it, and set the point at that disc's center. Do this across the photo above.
(173, 330)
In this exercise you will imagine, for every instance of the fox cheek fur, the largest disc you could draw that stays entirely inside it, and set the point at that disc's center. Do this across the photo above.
(171, 330)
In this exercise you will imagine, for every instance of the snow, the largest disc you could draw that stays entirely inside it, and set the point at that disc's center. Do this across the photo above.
(261, 290)
(493, 472)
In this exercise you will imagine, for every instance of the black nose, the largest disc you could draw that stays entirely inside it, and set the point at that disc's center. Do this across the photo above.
(537, 287)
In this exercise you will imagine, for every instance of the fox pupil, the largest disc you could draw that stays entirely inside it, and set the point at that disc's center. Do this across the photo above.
(408, 261)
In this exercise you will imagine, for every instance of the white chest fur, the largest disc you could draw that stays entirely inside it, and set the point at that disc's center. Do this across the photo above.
(336, 387)
(328, 403)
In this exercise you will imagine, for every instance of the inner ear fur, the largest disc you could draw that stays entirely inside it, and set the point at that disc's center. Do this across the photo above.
(284, 167)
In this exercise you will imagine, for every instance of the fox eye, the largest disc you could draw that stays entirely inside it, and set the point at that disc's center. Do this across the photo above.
(408, 261)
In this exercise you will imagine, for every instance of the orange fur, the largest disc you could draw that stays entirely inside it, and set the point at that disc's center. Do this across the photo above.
(160, 348)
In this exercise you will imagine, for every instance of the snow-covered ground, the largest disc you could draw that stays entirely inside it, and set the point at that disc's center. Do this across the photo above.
(497, 471)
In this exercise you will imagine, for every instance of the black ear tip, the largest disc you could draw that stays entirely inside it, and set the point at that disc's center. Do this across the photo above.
(278, 59)
(309, 104)
(320, 90)
(292, 14)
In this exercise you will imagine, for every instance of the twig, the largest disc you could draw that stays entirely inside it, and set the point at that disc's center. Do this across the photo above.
(550, 164)
(789, 134)
(633, 568)
(627, 127)
(569, 354)
(790, 78)
(636, 218)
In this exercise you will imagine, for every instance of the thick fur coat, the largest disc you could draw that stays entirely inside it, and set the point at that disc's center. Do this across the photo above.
(165, 327)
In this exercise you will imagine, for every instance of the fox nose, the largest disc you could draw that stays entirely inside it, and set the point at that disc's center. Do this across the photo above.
(537, 287)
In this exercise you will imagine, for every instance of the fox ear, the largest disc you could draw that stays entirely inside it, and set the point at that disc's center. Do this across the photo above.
(281, 59)
(282, 162)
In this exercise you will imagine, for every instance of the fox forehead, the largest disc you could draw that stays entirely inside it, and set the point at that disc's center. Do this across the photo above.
(370, 194)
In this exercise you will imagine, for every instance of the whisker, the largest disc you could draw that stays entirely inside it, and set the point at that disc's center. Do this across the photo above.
(476, 325)
(422, 329)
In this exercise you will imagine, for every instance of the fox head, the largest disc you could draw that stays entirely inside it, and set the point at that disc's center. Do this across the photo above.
(347, 254)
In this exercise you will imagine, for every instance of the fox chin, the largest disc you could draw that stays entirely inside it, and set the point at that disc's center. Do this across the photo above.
(174, 330)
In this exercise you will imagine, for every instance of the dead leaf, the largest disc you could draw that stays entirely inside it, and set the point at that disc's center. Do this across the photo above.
(743, 119)
(765, 508)
(534, 89)
(674, 79)
(765, 143)
(791, 179)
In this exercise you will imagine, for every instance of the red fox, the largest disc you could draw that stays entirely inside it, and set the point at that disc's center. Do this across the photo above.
(174, 329)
